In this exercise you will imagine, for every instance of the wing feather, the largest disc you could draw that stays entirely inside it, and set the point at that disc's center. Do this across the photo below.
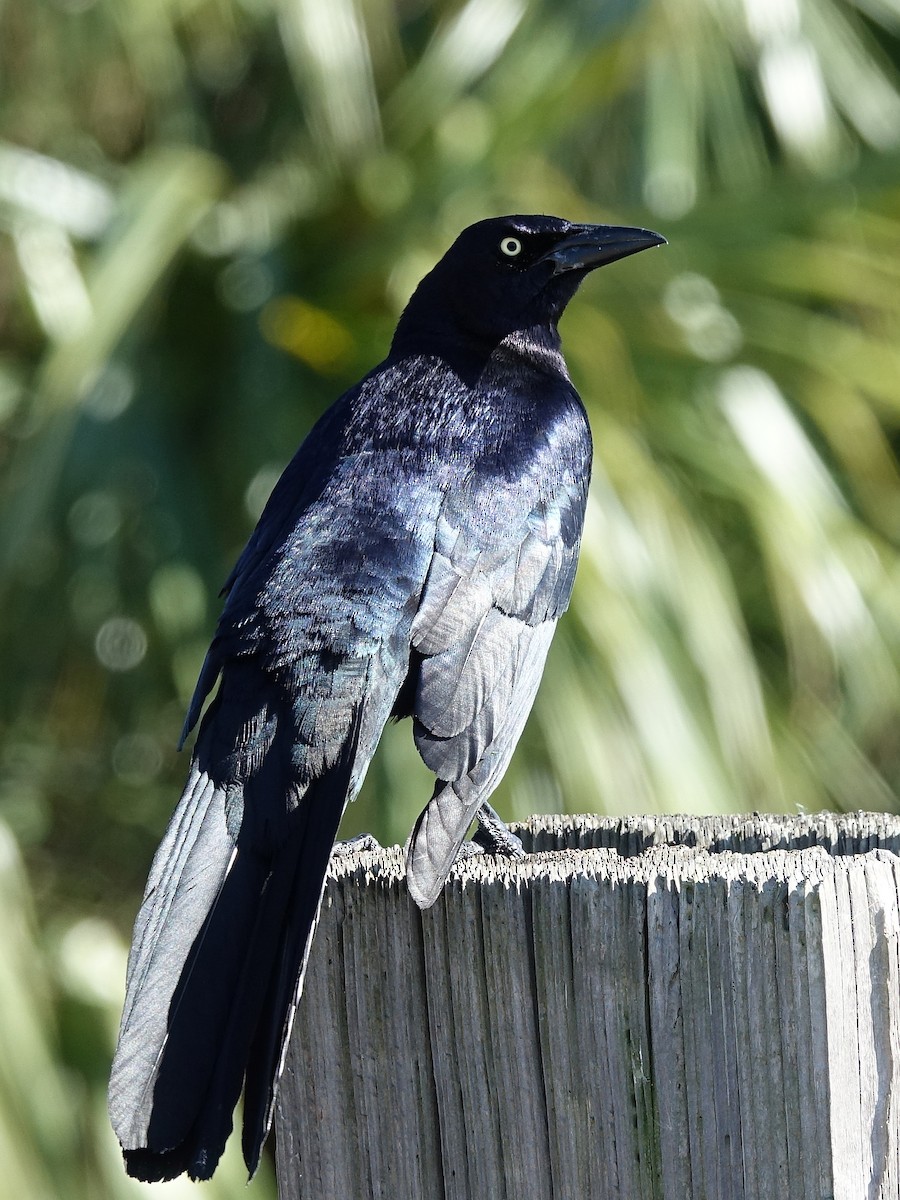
(459, 682)
(441, 828)
(496, 585)
(450, 604)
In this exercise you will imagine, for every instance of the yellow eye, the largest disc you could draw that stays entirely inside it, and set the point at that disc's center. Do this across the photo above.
(511, 246)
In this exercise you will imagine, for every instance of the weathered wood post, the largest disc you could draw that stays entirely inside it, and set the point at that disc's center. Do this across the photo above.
(674, 1007)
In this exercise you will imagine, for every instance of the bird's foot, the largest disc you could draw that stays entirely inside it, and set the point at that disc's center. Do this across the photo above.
(468, 850)
(362, 841)
(493, 836)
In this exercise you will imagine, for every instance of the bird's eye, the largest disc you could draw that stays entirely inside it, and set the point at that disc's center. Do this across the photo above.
(511, 246)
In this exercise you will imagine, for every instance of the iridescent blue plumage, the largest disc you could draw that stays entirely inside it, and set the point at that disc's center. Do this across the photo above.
(412, 561)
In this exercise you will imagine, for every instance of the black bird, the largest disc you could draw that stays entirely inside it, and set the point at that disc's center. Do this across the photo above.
(412, 561)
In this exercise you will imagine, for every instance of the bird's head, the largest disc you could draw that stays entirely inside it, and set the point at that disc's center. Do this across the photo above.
(507, 274)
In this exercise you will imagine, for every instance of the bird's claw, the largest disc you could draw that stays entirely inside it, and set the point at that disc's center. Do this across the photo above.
(469, 850)
(494, 837)
(362, 841)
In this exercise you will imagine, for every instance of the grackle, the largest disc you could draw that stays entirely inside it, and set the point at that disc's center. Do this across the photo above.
(412, 561)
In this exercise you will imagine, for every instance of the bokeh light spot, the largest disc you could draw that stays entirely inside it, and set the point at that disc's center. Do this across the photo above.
(177, 599)
(709, 330)
(95, 518)
(307, 332)
(91, 962)
(245, 284)
(120, 644)
(384, 183)
(464, 134)
(670, 190)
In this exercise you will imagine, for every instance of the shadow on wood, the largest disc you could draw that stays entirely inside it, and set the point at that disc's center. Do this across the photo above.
(674, 1008)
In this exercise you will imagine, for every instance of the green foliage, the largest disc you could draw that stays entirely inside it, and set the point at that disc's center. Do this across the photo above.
(212, 212)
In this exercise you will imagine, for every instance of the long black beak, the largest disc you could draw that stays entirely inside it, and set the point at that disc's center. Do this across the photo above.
(595, 245)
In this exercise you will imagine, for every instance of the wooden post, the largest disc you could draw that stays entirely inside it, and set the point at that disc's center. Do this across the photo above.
(675, 1007)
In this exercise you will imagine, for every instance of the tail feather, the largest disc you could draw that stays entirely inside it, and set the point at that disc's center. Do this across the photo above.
(185, 879)
(192, 1104)
(300, 916)
(216, 1001)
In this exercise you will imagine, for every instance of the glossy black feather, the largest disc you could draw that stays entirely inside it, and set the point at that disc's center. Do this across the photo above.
(413, 560)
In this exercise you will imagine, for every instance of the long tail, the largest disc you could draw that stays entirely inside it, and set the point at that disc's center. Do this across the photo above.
(214, 975)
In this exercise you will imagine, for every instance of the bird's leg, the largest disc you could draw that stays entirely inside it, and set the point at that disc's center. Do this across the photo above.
(362, 841)
(493, 835)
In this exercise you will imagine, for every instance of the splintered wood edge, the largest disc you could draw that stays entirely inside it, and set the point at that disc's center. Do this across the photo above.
(665, 854)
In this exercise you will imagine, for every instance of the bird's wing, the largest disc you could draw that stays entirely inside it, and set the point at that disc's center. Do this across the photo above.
(501, 575)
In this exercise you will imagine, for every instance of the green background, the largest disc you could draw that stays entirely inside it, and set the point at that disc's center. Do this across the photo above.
(211, 215)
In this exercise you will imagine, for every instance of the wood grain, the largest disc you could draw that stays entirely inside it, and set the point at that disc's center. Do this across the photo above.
(678, 1008)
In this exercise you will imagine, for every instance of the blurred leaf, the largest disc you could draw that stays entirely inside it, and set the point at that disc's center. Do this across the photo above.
(161, 206)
